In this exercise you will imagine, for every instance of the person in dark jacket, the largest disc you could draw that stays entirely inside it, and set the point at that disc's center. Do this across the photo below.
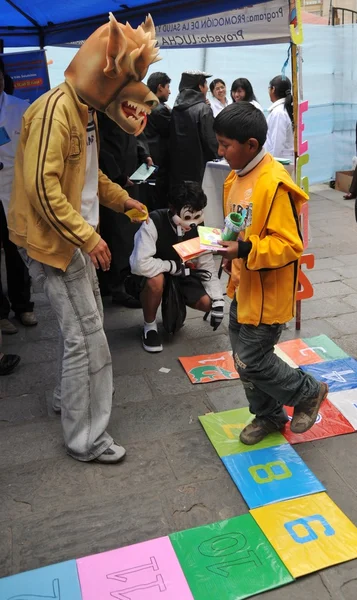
(157, 132)
(192, 140)
(8, 82)
(119, 156)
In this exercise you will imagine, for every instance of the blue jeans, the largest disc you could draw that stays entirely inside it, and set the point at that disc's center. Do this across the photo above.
(84, 392)
(269, 382)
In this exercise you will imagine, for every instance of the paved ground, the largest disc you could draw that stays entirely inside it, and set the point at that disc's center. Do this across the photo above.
(54, 508)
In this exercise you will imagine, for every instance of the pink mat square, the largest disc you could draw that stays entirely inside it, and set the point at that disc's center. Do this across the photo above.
(146, 571)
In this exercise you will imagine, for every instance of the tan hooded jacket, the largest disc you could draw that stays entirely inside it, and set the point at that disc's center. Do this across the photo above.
(45, 208)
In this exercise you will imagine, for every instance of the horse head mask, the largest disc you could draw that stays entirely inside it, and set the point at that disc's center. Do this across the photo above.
(107, 71)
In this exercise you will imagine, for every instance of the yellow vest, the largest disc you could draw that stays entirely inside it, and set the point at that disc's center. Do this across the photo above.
(269, 276)
(239, 191)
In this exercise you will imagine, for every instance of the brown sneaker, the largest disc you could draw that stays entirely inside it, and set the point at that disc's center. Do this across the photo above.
(7, 327)
(257, 430)
(305, 412)
(27, 318)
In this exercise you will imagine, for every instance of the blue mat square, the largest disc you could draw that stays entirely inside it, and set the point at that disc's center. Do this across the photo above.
(339, 374)
(271, 475)
(59, 582)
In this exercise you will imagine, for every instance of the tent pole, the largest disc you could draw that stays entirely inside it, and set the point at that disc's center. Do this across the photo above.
(295, 91)
(204, 59)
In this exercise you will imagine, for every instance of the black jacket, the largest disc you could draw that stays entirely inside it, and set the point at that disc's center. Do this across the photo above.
(192, 139)
(120, 153)
(157, 132)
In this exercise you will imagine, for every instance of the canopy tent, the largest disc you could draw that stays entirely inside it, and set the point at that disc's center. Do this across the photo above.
(41, 23)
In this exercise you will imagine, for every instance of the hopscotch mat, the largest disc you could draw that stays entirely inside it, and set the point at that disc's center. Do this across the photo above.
(346, 402)
(230, 560)
(271, 475)
(307, 530)
(209, 367)
(148, 570)
(293, 527)
(223, 430)
(330, 422)
(309, 534)
(56, 581)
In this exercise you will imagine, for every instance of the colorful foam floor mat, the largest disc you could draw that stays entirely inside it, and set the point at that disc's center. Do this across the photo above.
(292, 528)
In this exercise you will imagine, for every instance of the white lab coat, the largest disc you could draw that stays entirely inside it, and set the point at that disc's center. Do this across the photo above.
(257, 105)
(217, 106)
(11, 111)
(280, 137)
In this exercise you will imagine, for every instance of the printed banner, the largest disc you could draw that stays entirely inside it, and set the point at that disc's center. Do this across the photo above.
(29, 72)
(271, 475)
(229, 560)
(263, 23)
(329, 422)
(309, 533)
(209, 367)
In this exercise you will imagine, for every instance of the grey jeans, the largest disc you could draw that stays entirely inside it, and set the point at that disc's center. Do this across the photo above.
(269, 382)
(84, 392)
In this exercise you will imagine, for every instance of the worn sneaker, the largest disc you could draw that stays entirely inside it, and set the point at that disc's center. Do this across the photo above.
(7, 328)
(27, 318)
(111, 455)
(152, 341)
(305, 412)
(257, 430)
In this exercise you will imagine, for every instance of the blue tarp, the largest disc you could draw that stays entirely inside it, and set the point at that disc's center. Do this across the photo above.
(53, 22)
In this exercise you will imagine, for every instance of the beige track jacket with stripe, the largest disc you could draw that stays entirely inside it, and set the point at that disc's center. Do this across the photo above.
(45, 208)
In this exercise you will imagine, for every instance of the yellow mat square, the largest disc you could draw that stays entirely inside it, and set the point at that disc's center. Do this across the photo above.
(309, 533)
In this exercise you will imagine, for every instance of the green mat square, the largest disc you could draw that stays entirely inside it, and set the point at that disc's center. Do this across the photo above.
(229, 560)
(223, 430)
(324, 347)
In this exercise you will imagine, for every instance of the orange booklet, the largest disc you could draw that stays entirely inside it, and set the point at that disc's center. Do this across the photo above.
(189, 249)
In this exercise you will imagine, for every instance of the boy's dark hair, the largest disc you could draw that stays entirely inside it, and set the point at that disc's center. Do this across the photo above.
(245, 85)
(188, 193)
(241, 121)
(283, 89)
(157, 79)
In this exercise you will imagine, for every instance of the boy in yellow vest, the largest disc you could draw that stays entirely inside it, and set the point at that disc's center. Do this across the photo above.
(269, 256)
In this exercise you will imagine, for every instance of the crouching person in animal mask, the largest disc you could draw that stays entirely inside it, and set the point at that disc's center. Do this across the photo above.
(53, 216)
(154, 261)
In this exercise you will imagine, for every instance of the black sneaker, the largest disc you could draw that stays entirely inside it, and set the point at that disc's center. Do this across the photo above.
(8, 362)
(152, 341)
